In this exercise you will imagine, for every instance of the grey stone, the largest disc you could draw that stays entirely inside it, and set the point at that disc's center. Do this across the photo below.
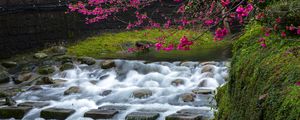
(65, 59)
(183, 116)
(87, 60)
(56, 113)
(9, 64)
(107, 64)
(40, 55)
(177, 82)
(22, 77)
(13, 112)
(142, 116)
(45, 81)
(72, 90)
(58, 50)
(67, 66)
(4, 77)
(45, 70)
(142, 93)
(207, 68)
(113, 107)
(10, 102)
(209, 63)
(106, 92)
(188, 97)
(35, 87)
(100, 114)
(34, 104)
(202, 91)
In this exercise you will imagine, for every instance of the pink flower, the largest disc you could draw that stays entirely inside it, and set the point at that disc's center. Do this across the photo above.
(298, 30)
(220, 33)
(184, 44)
(278, 20)
(158, 46)
(262, 39)
(283, 34)
(225, 3)
(169, 48)
(177, 0)
(209, 22)
(297, 83)
(263, 45)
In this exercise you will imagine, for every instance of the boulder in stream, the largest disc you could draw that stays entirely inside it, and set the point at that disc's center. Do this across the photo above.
(87, 60)
(13, 112)
(208, 68)
(45, 81)
(9, 64)
(58, 50)
(72, 90)
(40, 55)
(177, 82)
(4, 76)
(107, 64)
(188, 97)
(67, 66)
(142, 93)
(23, 77)
(56, 113)
(142, 116)
(45, 70)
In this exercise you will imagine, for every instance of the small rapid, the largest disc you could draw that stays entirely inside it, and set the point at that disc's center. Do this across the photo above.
(163, 87)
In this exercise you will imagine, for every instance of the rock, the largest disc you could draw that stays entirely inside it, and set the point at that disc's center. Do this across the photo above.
(72, 90)
(58, 50)
(209, 63)
(65, 59)
(10, 102)
(59, 82)
(202, 91)
(203, 83)
(87, 60)
(45, 70)
(4, 77)
(100, 114)
(142, 93)
(13, 112)
(113, 107)
(177, 82)
(142, 116)
(40, 55)
(188, 97)
(207, 68)
(67, 66)
(35, 87)
(34, 104)
(106, 92)
(22, 77)
(190, 114)
(45, 81)
(208, 74)
(56, 113)
(9, 64)
(94, 82)
(3, 95)
(107, 64)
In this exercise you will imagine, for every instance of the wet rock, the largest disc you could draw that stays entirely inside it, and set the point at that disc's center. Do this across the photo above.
(94, 82)
(56, 113)
(113, 107)
(100, 114)
(9, 64)
(4, 77)
(87, 60)
(10, 102)
(177, 82)
(209, 63)
(142, 116)
(45, 70)
(23, 77)
(208, 74)
(67, 66)
(72, 90)
(183, 116)
(207, 68)
(59, 81)
(65, 59)
(40, 55)
(3, 95)
(106, 92)
(34, 104)
(203, 83)
(202, 91)
(13, 112)
(45, 81)
(58, 50)
(107, 64)
(142, 93)
(188, 97)
(35, 87)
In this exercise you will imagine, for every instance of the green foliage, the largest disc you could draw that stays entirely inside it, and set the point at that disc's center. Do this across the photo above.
(260, 79)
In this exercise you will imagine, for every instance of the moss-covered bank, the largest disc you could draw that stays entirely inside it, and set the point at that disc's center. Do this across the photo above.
(262, 80)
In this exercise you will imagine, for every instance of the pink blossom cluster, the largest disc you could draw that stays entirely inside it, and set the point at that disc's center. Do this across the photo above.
(243, 12)
(220, 33)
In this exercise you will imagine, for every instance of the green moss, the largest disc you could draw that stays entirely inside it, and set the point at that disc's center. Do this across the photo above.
(257, 71)
(110, 45)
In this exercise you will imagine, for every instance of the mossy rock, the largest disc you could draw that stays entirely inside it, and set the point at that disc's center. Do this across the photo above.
(107, 64)
(142, 93)
(45, 70)
(87, 60)
(72, 90)
(4, 77)
(40, 55)
(13, 112)
(67, 66)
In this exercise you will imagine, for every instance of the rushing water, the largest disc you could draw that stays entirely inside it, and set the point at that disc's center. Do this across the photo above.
(126, 77)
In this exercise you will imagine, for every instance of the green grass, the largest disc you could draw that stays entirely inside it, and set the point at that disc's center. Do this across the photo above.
(257, 71)
(110, 45)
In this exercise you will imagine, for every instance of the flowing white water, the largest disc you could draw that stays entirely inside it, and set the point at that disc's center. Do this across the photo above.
(129, 76)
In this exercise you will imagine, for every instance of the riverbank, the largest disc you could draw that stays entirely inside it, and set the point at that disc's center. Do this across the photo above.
(262, 81)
